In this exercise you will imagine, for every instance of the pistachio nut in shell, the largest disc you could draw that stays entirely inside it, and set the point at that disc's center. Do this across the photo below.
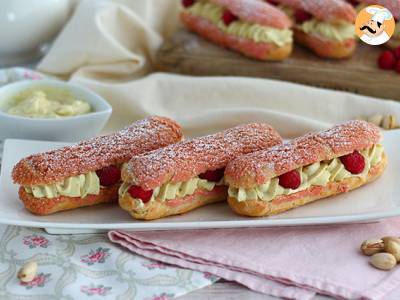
(372, 246)
(383, 261)
(394, 249)
(387, 239)
(390, 238)
(28, 271)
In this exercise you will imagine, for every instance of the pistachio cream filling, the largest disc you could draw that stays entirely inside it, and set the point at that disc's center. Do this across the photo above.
(169, 191)
(76, 186)
(255, 32)
(316, 174)
(338, 31)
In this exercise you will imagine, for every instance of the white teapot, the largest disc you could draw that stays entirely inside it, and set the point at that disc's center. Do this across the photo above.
(27, 25)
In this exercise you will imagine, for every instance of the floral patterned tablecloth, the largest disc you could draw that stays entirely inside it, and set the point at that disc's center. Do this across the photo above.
(83, 266)
(76, 266)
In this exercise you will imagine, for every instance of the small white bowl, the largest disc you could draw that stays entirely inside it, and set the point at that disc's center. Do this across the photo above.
(66, 129)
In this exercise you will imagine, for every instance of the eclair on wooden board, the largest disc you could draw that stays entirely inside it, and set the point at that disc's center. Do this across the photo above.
(326, 27)
(252, 27)
(305, 169)
(89, 172)
(188, 174)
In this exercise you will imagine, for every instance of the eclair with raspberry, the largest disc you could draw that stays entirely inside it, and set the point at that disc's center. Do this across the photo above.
(89, 172)
(252, 27)
(308, 168)
(394, 7)
(189, 174)
(326, 27)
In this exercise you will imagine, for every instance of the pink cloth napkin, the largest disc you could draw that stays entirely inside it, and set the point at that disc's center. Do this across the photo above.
(285, 262)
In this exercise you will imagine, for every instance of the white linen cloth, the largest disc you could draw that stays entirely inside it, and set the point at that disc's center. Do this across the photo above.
(108, 46)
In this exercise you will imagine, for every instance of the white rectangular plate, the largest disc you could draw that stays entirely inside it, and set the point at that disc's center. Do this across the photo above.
(374, 201)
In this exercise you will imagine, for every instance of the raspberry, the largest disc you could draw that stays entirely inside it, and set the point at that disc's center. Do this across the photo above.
(215, 175)
(137, 192)
(109, 175)
(187, 3)
(228, 17)
(353, 162)
(290, 180)
(398, 66)
(302, 16)
(387, 60)
(397, 52)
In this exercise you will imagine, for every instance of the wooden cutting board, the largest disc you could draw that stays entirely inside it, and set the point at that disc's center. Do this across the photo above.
(187, 53)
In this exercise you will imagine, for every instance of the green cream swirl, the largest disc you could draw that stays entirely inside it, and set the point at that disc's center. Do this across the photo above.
(170, 191)
(76, 186)
(338, 31)
(255, 32)
(334, 31)
(316, 174)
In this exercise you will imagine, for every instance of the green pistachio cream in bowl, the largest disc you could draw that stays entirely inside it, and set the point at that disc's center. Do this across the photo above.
(51, 110)
(47, 102)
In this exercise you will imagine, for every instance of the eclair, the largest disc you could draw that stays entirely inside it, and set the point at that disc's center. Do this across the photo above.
(326, 27)
(188, 174)
(251, 27)
(89, 172)
(308, 168)
(394, 7)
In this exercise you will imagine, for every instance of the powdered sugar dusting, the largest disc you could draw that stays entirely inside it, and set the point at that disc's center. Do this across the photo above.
(256, 11)
(326, 10)
(258, 167)
(182, 161)
(96, 153)
(209, 31)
